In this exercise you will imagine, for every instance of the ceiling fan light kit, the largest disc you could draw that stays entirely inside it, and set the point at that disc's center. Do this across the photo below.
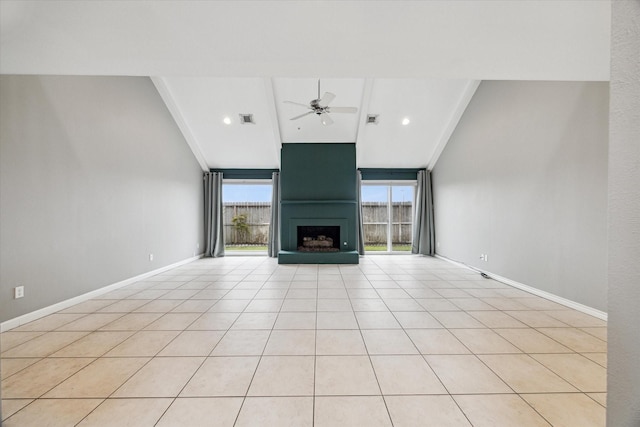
(320, 107)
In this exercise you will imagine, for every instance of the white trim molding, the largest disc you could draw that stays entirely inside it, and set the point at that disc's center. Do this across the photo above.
(362, 117)
(168, 98)
(535, 291)
(34, 315)
(273, 115)
(456, 115)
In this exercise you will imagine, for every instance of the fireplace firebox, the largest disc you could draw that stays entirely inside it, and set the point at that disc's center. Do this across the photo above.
(315, 238)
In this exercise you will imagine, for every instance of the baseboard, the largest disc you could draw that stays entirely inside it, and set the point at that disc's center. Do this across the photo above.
(34, 315)
(535, 291)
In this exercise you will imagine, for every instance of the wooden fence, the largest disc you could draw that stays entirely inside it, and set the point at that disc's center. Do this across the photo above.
(375, 218)
(256, 217)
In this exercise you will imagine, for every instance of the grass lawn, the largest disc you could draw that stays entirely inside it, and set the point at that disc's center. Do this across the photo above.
(368, 248)
(246, 248)
(383, 248)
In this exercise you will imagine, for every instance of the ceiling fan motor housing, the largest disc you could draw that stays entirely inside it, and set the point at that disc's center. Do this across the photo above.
(316, 106)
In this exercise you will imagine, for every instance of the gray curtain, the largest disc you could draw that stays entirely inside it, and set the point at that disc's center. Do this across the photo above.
(360, 239)
(423, 225)
(274, 226)
(213, 216)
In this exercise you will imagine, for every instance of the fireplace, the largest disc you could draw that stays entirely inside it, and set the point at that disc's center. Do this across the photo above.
(315, 238)
(318, 204)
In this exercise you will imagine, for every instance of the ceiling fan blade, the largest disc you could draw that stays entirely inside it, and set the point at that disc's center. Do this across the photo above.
(296, 103)
(301, 115)
(326, 99)
(326, 119)
(342, 110)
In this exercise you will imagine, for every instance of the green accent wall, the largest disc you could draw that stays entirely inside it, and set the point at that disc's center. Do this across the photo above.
(389, 174)
(318, 172)
(318, 187)
(246, 173)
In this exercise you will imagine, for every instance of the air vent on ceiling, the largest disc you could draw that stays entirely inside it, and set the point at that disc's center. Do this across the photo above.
(372, 119)
(246, 119)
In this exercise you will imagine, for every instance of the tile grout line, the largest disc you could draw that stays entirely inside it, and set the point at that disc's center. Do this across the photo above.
(315, 354)
(432, 370)
(244, 398)
(386, 406)
(151, 358)
(435, 373)
(397, 268)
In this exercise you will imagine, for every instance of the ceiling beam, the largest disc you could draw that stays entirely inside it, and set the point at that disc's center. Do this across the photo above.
(453, 121)
(364, 110)
(167, 97)
(273, 115)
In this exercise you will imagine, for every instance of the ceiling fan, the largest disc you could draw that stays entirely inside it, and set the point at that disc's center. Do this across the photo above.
(320, 106)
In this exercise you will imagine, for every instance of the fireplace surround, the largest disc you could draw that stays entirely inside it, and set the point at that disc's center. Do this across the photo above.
(318, 194)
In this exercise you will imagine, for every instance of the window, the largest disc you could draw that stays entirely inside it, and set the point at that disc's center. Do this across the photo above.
(247, 214)
(387, 213)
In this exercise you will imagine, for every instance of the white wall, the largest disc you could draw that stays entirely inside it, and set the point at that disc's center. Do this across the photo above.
(94, 176)
(524, 180)
(623, 371)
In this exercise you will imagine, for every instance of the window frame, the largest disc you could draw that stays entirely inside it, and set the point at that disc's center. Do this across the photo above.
(390, 184)
(245, 181)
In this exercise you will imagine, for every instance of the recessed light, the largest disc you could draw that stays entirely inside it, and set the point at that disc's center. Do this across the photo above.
(405, 121)
(227, 120)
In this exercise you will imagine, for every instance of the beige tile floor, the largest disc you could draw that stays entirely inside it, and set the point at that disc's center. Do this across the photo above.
(243, 341)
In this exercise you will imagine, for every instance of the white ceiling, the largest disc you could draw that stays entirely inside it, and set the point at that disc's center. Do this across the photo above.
(200, 105)
(210, 59)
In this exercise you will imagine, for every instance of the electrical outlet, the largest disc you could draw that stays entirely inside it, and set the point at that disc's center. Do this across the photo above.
(486, 257)
(197, 245)
(18, 292)
(150, 257)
